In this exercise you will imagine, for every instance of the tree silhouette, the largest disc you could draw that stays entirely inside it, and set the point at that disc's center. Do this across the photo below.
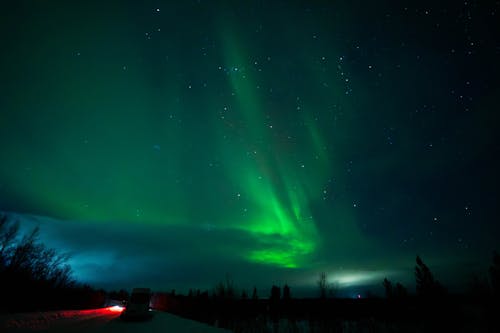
(495, 274)
(8, 232)
(30, 258)
(275, 293)
(254, 294)
(400, 291)
(274, 305)
(424, 277)
(225, 289)
(26, 262)
(426, 286)
(388, 288)
(121, 294)
(286, 293)
(478, 287)
(397, 291)
(323, 285)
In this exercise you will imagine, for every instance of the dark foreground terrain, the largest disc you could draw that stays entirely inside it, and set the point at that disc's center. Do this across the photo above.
(449, 314)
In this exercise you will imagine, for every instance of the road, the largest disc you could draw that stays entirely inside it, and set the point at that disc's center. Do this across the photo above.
(105, 320)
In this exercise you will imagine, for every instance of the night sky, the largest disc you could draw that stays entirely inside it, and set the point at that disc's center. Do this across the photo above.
(169, 143)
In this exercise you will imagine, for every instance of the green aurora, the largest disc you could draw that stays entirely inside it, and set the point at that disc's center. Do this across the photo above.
(310, 137)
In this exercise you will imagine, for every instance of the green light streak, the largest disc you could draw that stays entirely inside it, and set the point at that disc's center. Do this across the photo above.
(282, 224)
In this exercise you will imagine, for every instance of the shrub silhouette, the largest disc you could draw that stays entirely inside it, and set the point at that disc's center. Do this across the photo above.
(34, 276)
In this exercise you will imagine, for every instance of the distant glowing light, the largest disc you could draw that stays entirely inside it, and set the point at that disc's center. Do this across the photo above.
(346, 279)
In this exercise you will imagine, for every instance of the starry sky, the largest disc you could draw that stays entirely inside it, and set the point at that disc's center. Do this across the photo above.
(169, 143)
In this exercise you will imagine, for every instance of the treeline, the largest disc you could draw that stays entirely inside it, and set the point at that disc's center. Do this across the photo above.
(429, 308)
(428, 287)
(34, 277)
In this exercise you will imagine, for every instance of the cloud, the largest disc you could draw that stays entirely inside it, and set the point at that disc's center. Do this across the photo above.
(160, 256)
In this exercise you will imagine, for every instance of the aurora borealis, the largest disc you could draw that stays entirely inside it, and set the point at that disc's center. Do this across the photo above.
(172, 142)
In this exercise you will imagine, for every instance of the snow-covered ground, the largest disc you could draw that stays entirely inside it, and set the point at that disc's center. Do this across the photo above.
(104, 320)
